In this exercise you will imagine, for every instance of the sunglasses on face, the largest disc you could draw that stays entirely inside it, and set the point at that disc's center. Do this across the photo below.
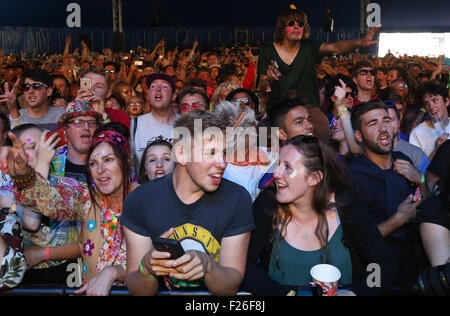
(291, 23)
(81, 123)
(36, 86)
(186, 107)
(110, 71)
(365, 72)
(245, 101)
(352, 94)
(135, 103)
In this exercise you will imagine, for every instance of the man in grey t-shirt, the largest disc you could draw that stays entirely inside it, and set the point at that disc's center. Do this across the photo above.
(37, 88)
(161, 94)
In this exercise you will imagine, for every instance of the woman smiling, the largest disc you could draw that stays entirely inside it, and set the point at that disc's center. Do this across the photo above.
(97, 205)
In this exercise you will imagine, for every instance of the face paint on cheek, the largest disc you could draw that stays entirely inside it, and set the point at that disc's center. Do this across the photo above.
(293, 174)
(289, 29)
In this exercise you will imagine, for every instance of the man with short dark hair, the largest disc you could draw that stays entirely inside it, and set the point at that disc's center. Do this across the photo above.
(61, 84)
(112, 69)
(191, 99)
(432, 133)
(387, 180)
(363, 75)
(292, 117)
(37, 89)
(159, 122)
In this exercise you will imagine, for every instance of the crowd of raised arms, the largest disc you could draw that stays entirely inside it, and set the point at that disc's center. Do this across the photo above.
(99, 161)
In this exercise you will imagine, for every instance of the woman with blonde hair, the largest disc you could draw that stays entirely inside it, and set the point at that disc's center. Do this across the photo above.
(221, 92)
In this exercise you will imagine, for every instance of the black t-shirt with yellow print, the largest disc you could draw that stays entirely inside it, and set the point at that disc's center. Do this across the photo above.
(154, 208)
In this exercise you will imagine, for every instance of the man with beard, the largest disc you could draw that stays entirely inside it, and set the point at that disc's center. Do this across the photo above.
(387, 181)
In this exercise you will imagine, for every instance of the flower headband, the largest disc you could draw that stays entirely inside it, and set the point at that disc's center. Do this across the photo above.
(112, 137)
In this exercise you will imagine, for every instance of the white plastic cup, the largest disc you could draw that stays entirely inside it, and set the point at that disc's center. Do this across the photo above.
(327, 277)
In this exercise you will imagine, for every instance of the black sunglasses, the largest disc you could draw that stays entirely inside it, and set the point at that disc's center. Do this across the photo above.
(292, 23)
(364, 72)
(36, 86)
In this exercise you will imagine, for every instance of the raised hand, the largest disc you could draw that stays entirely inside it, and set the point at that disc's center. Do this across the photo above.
(15, 158)
(340, 93)
(366, 41)
(45, 150)
(10, 96)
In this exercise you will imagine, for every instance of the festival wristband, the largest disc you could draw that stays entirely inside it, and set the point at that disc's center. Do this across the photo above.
(47, 253)
(147, 275)
(342, 112)
(423, 179)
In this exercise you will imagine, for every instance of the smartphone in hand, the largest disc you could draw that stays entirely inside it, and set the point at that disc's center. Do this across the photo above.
(61, 135)
(171, 246)
(86, 83)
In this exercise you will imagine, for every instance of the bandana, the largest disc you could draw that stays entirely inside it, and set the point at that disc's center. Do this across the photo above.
(113, 138)
(401, 84)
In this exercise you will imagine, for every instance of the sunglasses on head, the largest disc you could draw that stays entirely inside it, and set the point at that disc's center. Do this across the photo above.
(36, 86)
(365, 72)
(291, 23)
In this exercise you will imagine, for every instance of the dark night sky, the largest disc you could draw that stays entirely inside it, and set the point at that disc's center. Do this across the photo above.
(395, 14)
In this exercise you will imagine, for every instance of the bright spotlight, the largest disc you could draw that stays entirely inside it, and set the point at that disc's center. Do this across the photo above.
(414, 44)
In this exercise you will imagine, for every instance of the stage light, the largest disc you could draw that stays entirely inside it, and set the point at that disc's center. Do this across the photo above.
(420, 44)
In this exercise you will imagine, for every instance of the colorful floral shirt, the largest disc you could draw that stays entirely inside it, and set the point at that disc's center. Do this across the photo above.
(13, 265)
(101, 240)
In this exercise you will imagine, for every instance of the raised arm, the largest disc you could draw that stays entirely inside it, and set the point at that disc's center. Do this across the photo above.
(68, 201)
(348, 46)
(345, 117)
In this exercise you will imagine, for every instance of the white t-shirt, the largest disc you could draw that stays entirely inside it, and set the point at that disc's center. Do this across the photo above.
(147, 128)
(425, 135)
(249, 176)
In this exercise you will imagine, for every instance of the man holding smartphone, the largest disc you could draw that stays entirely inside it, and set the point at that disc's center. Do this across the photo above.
(210, 216)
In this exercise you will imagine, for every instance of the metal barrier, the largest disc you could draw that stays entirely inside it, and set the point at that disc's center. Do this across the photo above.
(62, 290)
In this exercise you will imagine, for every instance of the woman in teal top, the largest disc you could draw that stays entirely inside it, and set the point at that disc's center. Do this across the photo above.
(313, 217)
(294, 264)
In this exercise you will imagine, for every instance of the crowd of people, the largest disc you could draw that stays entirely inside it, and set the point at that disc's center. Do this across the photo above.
(99, 158)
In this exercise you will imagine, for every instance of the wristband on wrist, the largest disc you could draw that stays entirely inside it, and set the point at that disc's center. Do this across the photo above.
(423, 179)
(342, 112)
(25, 181)
(144, 273)
(291, 293)
(47, 253)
